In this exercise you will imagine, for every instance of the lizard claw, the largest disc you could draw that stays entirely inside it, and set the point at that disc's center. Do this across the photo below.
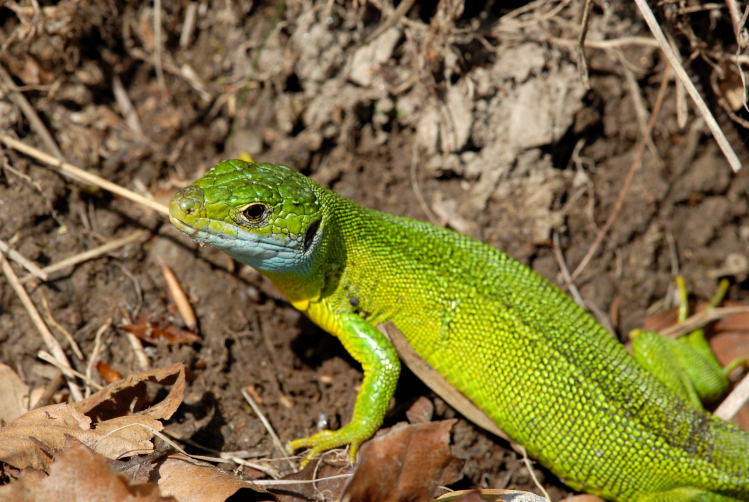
(323, 441)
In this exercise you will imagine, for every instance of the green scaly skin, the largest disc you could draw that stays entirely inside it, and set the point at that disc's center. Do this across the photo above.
(539, 365)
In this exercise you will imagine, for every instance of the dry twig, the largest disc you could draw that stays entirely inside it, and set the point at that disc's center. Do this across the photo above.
(702, 318)
(268, 427)
(582, 63)
(81, 175)
(94, 356)
(179, 297)
(49, 340)
(29, 265)
(86, 255)
(65, 368)
(734, 401)
(36, 123)
(681, 74)
(59, 327)
(157, 45)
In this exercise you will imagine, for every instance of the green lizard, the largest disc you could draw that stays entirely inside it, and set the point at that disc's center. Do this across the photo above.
(521, 350)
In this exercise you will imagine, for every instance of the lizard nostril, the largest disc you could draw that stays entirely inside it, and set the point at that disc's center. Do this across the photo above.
(187, 205)
(188, 201)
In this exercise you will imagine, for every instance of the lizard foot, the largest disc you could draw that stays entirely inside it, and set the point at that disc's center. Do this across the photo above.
(327, 440)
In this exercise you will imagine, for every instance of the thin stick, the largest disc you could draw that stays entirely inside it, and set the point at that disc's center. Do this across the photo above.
(673, 59)
(268, 427)
(701, 318)
(17, 257)
(606, 44)
(735, 15)
(80, 175)
(582, 63)
(391, 21)
(538, 484)
(36, 123)
(49, 390)
(265, 469)
(415, 185)
(127, 109)
(602, 318)
(188, 25)
(291, 482)
(734, 401)
(65, 368)
(49, 340)
(59, 327)
(157, 44)
(87, 255)
(638, 101)
(135, 343)
(178, 296)
(94, 356)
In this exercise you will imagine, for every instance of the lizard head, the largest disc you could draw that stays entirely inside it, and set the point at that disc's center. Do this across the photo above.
(267, 216)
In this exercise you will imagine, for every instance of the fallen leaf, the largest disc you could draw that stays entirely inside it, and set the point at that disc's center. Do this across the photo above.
(107, 373)
(179, 297)
(188, 481)
(14, 395)
(114, 422)
(159, 331)
(130, 394)
(405, 462)
(79, 475)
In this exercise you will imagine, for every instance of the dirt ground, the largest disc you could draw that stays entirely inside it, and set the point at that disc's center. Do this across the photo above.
(473, 117)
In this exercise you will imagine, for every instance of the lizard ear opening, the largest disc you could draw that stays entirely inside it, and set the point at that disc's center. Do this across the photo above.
(309, 236)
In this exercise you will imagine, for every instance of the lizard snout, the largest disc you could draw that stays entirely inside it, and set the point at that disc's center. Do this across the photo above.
(187, 201)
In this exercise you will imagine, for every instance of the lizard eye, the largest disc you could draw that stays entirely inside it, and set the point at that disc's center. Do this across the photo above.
(254, 212)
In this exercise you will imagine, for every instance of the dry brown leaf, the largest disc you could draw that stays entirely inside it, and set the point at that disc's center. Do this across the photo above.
(130, 394)
(107, 373)
(179, 297)
(406, 462)
(190, 482)
(103, 422)
(14, 395)
(79, 475)
(158, 331)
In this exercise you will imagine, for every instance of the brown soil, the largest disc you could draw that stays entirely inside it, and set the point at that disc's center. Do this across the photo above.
(476, 119)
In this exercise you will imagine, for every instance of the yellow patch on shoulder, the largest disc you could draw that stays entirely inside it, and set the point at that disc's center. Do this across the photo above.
(302, 304)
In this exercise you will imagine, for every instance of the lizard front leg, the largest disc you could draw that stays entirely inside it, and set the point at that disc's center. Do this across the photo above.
(379, 361)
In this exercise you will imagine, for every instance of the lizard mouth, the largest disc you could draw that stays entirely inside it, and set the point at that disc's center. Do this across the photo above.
(182, 226)
(196, 230)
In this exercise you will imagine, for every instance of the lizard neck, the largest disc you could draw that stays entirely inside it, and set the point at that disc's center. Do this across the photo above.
(319, 274)
(300, 289)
